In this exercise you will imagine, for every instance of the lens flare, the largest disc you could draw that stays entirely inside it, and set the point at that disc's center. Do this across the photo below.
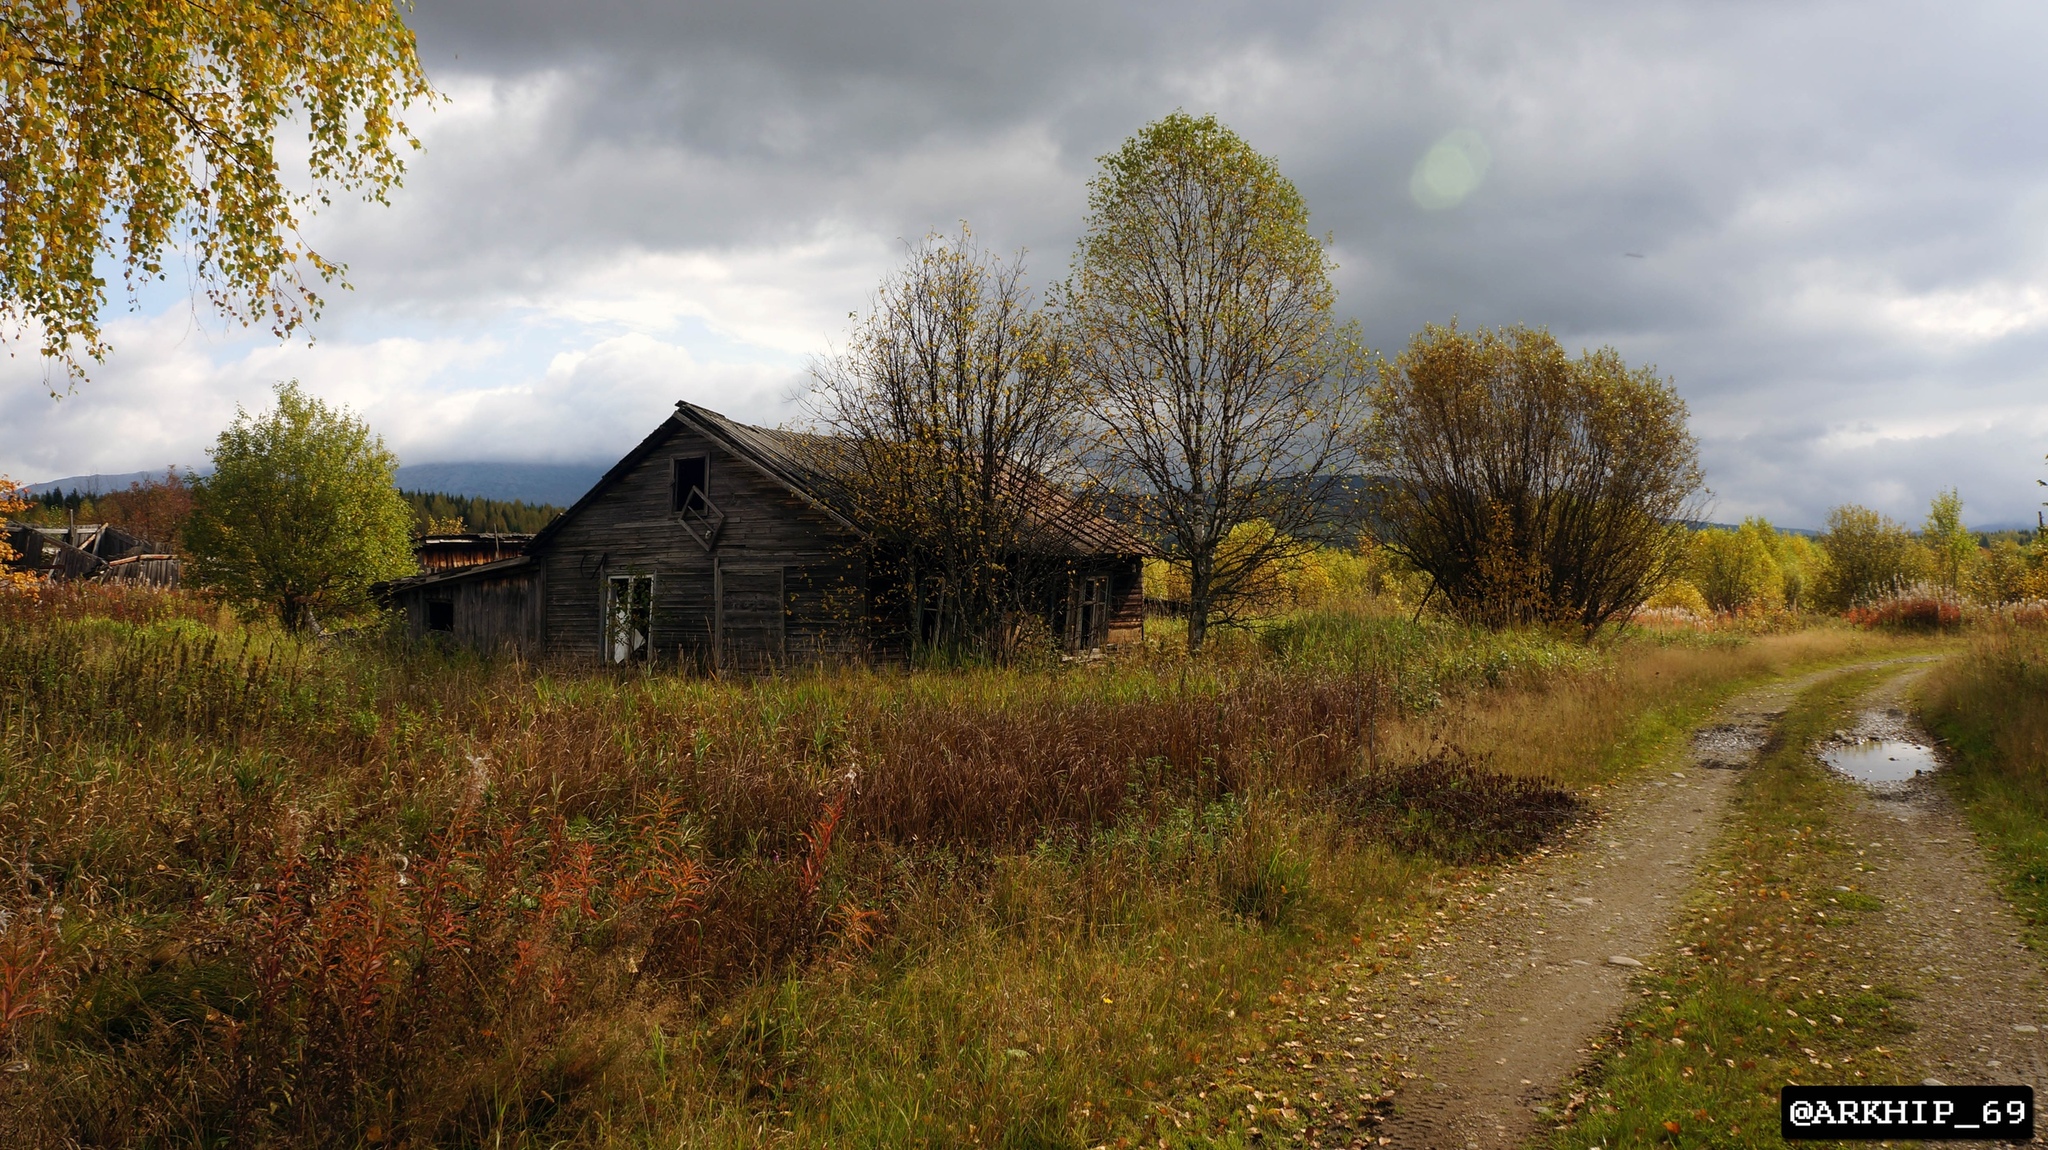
(1451, 170)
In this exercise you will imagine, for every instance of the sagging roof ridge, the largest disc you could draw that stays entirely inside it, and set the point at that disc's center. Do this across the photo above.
(785, 457)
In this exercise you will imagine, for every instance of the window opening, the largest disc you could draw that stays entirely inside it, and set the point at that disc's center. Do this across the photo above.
(1094, 612)
(629, 618)
(689, 499)
(440, 615)
(689, 484)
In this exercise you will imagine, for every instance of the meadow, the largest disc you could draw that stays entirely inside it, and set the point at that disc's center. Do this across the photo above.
(259, 890)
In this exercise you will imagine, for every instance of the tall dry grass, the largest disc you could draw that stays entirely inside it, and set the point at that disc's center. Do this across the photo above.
(261, 892)
(1583, 729)
(1990, 707)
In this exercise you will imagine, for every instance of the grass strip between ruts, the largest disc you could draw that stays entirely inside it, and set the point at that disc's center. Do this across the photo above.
(1769, 984)
(1304, 1066)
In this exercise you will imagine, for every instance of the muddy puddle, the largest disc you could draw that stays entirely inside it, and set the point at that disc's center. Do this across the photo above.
(1884, 750)
(1881, 760)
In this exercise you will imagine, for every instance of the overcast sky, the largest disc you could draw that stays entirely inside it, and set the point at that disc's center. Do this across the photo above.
(1826, 222)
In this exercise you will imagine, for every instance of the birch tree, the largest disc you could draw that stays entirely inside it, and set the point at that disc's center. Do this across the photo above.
(1952, 547)
(1221, 390)
(129, 129)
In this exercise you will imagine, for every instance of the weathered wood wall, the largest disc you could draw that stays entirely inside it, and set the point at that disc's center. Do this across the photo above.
(491, 612)
(1127, 599)
(773, 546)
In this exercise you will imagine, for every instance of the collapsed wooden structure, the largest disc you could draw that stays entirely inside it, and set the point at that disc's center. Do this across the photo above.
(724, 546)
(92, 551)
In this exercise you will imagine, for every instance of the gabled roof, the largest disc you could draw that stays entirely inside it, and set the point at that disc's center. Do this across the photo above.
(812, 468)
(808, 465)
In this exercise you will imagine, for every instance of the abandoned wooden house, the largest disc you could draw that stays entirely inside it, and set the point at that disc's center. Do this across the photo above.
(722, 546)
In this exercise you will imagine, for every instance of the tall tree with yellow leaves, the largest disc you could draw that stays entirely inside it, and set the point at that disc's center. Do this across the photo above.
(129, 129)
(1222, 390)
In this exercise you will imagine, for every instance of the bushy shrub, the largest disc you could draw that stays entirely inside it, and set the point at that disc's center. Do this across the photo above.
(1736, 570)
(1908, 613)
(1531, 486)
(2006, 573)
(1868, 557)
(1799, 561)
(1679, 595)
(1296, 579)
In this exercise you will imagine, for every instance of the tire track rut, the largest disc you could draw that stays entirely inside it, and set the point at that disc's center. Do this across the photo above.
(1500, 1009)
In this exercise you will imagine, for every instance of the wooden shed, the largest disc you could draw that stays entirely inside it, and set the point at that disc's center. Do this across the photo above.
(721, 546)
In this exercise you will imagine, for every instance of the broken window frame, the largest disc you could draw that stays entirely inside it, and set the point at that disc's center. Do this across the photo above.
(628, 621)
(693, 507)
(1090, 617)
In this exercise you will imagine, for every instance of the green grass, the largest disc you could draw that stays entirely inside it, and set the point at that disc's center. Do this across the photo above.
(1760, 993)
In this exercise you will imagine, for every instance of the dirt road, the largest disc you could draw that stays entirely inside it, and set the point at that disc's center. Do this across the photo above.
(1499, 1009)
(1502, 995)
(1981, 996)
(1500, 1003)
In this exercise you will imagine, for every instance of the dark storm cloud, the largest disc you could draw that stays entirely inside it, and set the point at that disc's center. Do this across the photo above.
(1828, 222)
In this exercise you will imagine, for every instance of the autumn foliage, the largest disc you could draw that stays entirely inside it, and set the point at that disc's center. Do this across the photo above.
(1531, 486)
(11, 502)
(134, 130)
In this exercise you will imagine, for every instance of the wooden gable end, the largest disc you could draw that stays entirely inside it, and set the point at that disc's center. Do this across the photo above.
(753, 575)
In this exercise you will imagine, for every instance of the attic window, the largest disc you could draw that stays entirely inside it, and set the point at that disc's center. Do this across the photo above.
(688, 483)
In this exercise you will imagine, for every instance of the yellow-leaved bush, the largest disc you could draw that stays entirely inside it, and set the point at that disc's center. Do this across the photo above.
(1312, 578)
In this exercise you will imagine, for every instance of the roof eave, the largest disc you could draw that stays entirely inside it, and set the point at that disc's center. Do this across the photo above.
(457, 574)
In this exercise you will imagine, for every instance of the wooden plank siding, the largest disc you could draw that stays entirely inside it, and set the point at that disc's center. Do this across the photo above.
(1127, 599)
(629, 529)
(489, 611)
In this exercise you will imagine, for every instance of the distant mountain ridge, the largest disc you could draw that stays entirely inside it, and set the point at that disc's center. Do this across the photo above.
(562, 484)
(95, 484)
(559, 484)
